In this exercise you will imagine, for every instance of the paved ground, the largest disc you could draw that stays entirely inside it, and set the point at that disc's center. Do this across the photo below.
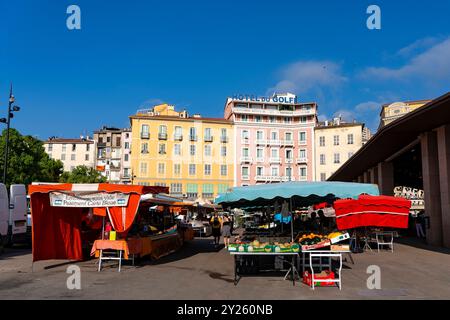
(197, 271)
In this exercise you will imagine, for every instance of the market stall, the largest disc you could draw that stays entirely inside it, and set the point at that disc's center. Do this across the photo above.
(284, 199)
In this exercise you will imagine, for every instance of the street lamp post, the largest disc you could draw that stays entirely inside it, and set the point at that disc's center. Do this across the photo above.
(10, 115)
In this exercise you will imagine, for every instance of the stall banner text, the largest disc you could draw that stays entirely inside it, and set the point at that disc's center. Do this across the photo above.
(103, 199)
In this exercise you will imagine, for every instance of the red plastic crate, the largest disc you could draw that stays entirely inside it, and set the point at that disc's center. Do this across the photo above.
(307, 279)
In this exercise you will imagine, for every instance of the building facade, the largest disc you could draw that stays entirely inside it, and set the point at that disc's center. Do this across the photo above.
(112, 156)
(72, 152)
(273, 138)
(335, 143)
(393, 111)
(191, 155)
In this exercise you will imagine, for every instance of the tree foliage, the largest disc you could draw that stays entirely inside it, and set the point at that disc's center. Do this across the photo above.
(28, 162)
(82, 174)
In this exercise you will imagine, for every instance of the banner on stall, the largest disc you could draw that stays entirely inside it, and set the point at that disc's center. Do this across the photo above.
(92, 200)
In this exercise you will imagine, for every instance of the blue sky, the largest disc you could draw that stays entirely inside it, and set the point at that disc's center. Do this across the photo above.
(194, 54)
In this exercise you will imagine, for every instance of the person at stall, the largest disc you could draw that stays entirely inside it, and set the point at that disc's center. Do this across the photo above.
(226, 230)
(216, 224)
(419, 221)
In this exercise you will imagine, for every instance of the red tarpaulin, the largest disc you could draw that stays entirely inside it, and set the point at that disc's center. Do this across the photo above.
(56, 230)
(372, 211)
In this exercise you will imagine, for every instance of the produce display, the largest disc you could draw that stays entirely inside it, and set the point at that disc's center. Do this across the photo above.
(262, 247)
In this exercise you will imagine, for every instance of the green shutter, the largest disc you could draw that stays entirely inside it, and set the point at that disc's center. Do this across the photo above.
(208, 188)
(192, 188)
(222, 188)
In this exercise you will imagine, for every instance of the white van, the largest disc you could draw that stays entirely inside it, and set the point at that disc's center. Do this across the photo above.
(13, 215)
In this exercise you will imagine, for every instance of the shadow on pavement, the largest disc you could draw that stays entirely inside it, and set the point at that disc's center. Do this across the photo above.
(421, 244)
(14, 252)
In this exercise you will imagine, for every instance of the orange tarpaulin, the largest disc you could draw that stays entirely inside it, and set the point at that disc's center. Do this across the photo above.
(56, 230)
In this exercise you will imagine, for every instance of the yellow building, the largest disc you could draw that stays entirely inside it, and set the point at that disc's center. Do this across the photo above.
(193, 156)
(393, 111)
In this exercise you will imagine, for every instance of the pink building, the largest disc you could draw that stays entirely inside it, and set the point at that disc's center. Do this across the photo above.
(274, 138)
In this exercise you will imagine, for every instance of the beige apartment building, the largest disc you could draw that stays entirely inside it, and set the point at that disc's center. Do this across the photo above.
(393, 111)
(336, 142)
(72, 152)
(112, 155)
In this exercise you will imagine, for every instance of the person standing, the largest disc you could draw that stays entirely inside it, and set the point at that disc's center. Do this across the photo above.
(216, 224)
(419, 225)
(226, 230)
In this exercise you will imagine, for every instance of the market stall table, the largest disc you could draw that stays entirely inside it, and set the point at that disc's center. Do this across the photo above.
(292, 268)
(116, 245)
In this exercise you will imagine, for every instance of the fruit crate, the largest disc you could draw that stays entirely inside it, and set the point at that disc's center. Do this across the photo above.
(322, 244)
(340, 238)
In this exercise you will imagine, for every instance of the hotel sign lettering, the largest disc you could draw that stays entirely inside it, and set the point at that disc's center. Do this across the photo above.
(92, 200)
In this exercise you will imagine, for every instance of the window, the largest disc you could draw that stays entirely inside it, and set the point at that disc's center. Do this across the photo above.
(145, 132)
(336, 140)
(245, 172)
(192, 149)
(64, 148)
(126, 157)
(274, 135)
(259, 153)
(176, 188)
(72, 157)
(162, 129)
(193, 134)
(127, 145)
(272, 119)
(207, 133)
(86, 157)
(288, 154)
(303, 119)
(244, 134)
(63, 157)
(74, 147)
(302, 137)
(274, 153)
(144, 148)
(260, 171)
(162, 148)
(288, 173)
(126, 172)
(288, 136)
(50, 147)
(127, 135)
(275, 171)
(323, 176)
(177, 169)
(223, 133)
(287, 120)
(302, 153)
(223, 151)
(143, 168)
(192, 190)
(245, 152)
(177, 149)
(337, 158)
(244, 118)
(302, 173)
(88, 147)
(223, 170)
(161, 168)
(192, 169)
(207, 170)
(118, 141)
(259, 135)
(108, 139)
(258, 119)
(322, 141)
(208, 150)
(350, 138)
(178, 133)
(322, 159)
(222, 188)
(207, 190)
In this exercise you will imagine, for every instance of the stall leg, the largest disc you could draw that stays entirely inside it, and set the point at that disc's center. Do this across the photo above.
(100, 260)
(293, 270)
(235, 270)
(120, 259)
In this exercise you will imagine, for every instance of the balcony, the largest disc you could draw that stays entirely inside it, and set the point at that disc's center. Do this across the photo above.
(302, 142)
(283, 113)
(145, 135)
(114, 168)
(245, 141)
(287, 143)
(261, 142)
(193, 138)
(260, 160)
(274, 142)
(208, 139)
(246, 177)
(302, 160)
(275, 160)
(162, 136)
(288, 160)
(178, 137)
(224, 139)
(246, 159)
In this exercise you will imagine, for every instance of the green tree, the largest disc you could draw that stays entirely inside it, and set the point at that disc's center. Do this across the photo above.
(82, 174)
(28, 162)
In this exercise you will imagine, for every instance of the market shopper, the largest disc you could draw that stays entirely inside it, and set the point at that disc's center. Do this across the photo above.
(226, 230)
(419, 224)
(216, 224)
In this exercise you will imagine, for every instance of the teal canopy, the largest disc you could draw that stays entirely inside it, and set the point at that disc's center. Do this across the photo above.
(302, 193)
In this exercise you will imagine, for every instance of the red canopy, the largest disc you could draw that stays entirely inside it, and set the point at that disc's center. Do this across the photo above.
(56, 230)
(372, 211)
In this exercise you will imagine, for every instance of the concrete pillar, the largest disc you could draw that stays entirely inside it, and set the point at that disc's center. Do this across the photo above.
(373, 175)
(431, 186)
(360, 179)
(386, 178)
(443, 140)
(366, 178)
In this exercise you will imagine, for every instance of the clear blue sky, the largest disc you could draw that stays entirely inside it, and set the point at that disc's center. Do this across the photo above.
(196, 53)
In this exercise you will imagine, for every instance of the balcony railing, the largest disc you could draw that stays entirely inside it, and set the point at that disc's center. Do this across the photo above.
(288, 160)
(208, 139)
(261, 142)
(246, 177)
(301, 142)
(260, 160)
(302, 160)
(287, 142)
(224, 139)
(178, 137)
(193, 138)
(246, 159)
(162, 136)
(145, 135)
(245, 141)
(273, 112)
(275, 160)
(274, 142)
